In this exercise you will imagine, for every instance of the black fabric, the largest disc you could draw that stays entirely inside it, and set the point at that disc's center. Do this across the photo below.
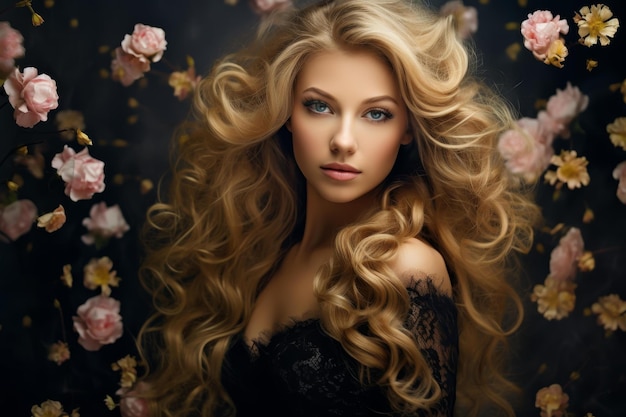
(301, 371)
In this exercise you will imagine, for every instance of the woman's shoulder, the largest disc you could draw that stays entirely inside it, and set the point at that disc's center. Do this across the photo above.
(416, 260)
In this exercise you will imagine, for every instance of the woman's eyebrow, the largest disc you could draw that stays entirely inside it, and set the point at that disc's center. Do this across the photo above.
(329, 96)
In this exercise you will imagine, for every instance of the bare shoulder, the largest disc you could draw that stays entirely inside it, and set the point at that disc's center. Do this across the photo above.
(416, 259)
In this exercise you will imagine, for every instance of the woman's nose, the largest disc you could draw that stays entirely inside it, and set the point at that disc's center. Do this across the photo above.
(344, 140)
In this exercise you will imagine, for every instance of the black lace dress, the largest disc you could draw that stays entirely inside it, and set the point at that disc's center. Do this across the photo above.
(302, 372)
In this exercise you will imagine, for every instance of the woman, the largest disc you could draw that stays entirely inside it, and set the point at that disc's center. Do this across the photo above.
(338, 228)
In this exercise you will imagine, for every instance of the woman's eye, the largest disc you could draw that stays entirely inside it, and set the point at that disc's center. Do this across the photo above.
(378, 115)
(317, 106)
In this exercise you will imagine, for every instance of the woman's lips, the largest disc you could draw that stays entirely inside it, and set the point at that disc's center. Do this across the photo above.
(340, 172)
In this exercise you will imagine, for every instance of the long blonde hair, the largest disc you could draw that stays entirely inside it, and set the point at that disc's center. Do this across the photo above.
(235, 206)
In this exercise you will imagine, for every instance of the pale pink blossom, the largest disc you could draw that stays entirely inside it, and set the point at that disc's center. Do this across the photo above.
(98, 322)
(564, 258)
(267, 6)
(83, 174)
(619, 173)
(465, 17)
(552, 401)
(527, 149)
(17, 218)
(127, 68)
(104, 222)
(53, 220)
(31, 95)
(146, 43)
(562, 108)
(131, 402)
(10, 48)
(540, 30)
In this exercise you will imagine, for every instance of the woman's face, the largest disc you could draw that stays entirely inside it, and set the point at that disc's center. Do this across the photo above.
(348, 123)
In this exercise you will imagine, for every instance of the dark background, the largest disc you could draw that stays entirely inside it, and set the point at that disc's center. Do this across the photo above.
(575, 352)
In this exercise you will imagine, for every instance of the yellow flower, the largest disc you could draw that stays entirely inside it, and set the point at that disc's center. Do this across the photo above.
(98, 274)
(622, 89)
(586, 262)
(108, 401)
(128, 366)
(556, 54)
(66, 277)
(82, 138)
(555, 299)
(617, 132)
(552, 401)
(52, 221)
(48, 408)
(595, 23)
(36, 19)
(69, 122)
(571, 170)
(588, 216)
(591, 64)
(59, 352)
(611, 311)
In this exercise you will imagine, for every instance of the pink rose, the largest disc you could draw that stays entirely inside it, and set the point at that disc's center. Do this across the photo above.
(466, 18)
(131, 404)
(267, 6)
(10, 48)
(526, 150)
(564, 106)
(127, 68)
(619, 173)
(17, 218)
(98, 322)
(31, 95)
(564, 258)
(83, 174)
(146, 43)
(540, 30)
(104, 222)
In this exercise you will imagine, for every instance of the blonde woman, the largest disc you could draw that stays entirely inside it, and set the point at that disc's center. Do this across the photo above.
(337, 234)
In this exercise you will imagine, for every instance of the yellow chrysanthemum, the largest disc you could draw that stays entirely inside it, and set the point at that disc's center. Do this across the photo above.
(48, 408)
(127, 365)
(571, 170)
(611, 311)
(556, 54)
(555, 299)
(617, 132)
(98, 274)
(595, 23)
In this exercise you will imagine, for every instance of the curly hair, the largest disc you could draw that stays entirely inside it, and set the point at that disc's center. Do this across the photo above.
(235, 206)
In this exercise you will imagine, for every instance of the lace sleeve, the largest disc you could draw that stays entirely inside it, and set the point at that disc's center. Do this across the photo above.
(432, 320)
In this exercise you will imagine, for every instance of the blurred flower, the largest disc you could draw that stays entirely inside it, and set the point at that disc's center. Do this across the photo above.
(103, 223)
(591, 64)
(98, 322)
(555, 299)
(17, 218)
(59, 352)
(127, 68)
(98, 273)
(52, 221)
(588, 216)
(586, 262)
(34, 163)
(83, 174)
(465, 18)
(10, 48)
(571, 170)
(69, 122)
(619, 173)
(48, 408)
(146, 43)
(564, 258)
(110, 403)
(31, 95)
(540, 30)
(131, 403)
(82, 138)
(266, 6)
(562, 108)
(184, 82)
(66, 276)
(611, 311)
(552, 401)
(128, 366)
(595, 23)
(527, 149)
(617, 132)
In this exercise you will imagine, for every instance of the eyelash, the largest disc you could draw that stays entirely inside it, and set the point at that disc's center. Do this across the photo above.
(309, 103)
